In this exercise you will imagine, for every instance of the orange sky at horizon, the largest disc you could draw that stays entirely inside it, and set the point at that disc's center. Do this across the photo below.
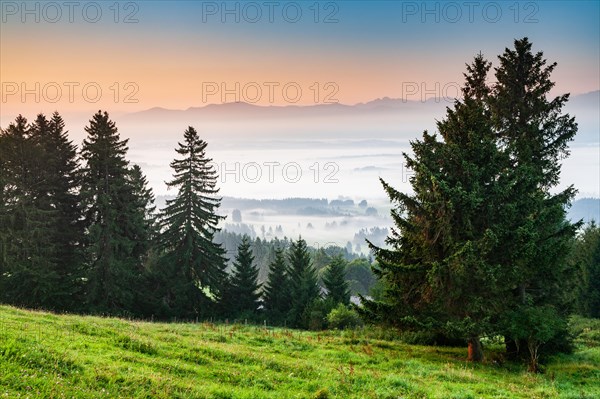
(172, 60)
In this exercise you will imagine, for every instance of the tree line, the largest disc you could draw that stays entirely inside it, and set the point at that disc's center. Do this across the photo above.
(482, 247)
(80, 232)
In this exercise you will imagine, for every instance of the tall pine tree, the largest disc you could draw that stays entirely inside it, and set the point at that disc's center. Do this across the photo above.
(28, 259)
(58, 193)
(439, 273)
(276, 291)
(482, 236)
(535, 132)
(194, 265)
(244, 292)
(304, 287)
(114, 220)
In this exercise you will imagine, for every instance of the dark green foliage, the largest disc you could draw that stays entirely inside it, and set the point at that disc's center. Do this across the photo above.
(193, 271)
(335, 282)
(276, 295)
(243, 293)
(59, 193)
(314, 316)
(304, 288)
(27, 262)
(483, 234)
(360, 277)
(320, 259)
(342, 317)
(535, 135)
(585, 259)
(535, 326)
(439, 272)
(40, 255)
(115, 215)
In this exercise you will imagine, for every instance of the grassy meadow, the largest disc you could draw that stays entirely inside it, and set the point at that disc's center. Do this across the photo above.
(43, 355)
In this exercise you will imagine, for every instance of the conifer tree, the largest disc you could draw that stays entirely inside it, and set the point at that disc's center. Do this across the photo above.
(57, 193)
(144, 211)
(112, 215)
(335, 282)
(276, 292)
(440, 276)
(585, 258)
(482, 235)
(194, 265)
(244, 292)
(27, 259)
(304, 287)
(535, 132)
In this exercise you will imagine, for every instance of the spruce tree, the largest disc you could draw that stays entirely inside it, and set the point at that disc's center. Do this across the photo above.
(276, 292)
(28, 258)
(482, 236)
(113, 219)
(335, 282)
(438, 270)
(585, 258)
(243, 294)
(143, 231)
(144, 211)
(535, 132)
(194, 265)
(57, 193)
(304, 287)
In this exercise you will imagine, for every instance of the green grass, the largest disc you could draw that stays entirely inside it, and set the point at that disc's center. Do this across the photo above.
(44, 355)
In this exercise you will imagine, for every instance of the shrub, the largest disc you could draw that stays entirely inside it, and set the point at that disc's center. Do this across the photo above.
(341, 317)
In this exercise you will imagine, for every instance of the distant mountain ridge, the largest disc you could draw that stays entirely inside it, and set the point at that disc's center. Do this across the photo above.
(382, 117)
(252, 111)
(589, 100)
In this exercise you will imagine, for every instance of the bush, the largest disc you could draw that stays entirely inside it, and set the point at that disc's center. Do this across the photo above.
(341, 317)
(314, 316)
(541, 328)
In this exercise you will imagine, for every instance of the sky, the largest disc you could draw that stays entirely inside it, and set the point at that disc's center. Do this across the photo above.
(77, 57)
(124, 56)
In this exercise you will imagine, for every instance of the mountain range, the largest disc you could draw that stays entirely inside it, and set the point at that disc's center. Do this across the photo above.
(384, 116)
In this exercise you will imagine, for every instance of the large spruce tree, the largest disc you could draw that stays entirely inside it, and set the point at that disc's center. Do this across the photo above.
(28, 258)
(115, 220)
(193, 264)
(535, 132)
(40, 215)
(58, 193)
(440, 276)
(482, 235)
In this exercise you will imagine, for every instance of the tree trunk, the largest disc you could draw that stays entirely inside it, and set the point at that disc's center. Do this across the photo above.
(515, 350)
(475, 350)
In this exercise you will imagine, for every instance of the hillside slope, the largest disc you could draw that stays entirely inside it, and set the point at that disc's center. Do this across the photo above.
(50, 356)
